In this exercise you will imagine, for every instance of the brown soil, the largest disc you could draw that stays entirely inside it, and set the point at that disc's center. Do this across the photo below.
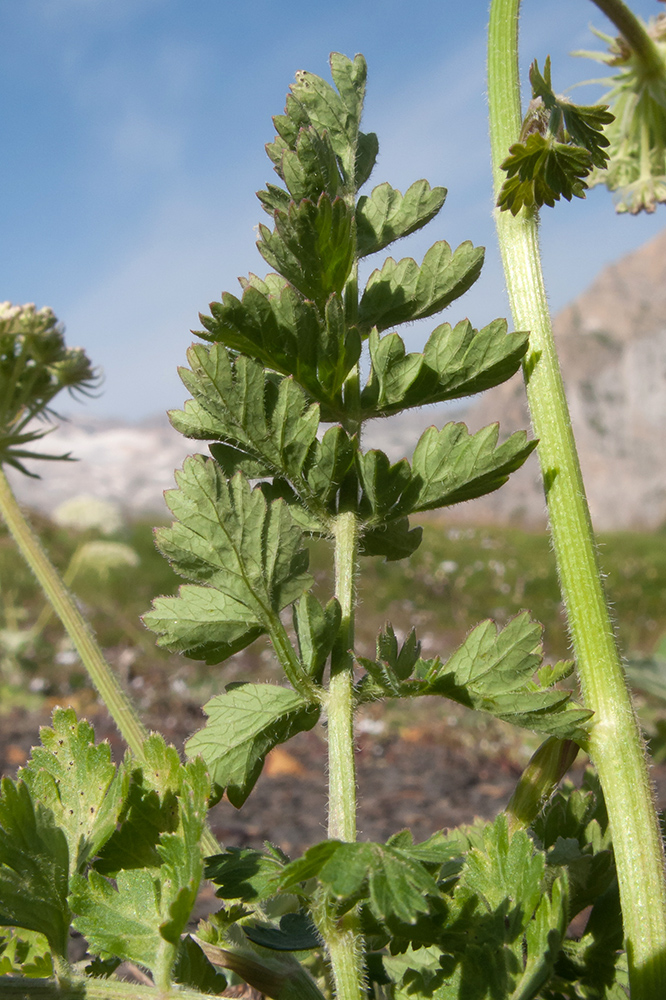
(412, 776)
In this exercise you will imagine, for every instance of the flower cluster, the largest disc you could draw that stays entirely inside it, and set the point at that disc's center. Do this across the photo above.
(636, 170)
(35, 365)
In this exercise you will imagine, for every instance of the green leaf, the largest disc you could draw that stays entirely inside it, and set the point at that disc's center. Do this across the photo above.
(311, 246)
(540, 171)
(78, 782)
(583, 123)
(317, 629)
(401, 292)
(308, 169)
(448, 466)
(243, 726)
(246, 549)
(266, 424)
(242, 873)
(193, 969)
(203, 623)
(394, 540)
(122, 921)
(295, 933)
(34, 867)
(142, 916)
(285, 333)
(396, 885)
(152, 809)
(455, 363)
(386, 215)
(453, 465)
(492, 671)
(336, 113)
(24, 953)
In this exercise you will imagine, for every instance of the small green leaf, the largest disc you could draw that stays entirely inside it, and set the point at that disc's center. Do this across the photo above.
(542, 170)
(453, 465)
(401, 292)
(193, 969)
(336, 113)
(24, 953)
(295, 933)
(34, 867)
(311, 246)
(394, 540)
(243, 726)
(317, 629)
(274, 324)
(203, 623)
(455, 363)
(142, 916)
(396, 885)
(386, 215)
(242, 873)
(265, 423)
(78, 782)
(493, 672)
(246, 549)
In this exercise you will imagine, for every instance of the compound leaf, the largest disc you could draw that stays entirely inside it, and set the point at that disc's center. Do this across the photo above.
(386, 215)
(243, 726)
(401, 292)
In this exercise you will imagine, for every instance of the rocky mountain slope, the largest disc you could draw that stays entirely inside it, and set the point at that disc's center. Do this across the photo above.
(612, 343)
(612, 346)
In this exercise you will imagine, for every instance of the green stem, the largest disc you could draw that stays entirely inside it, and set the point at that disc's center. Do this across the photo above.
(615, 742)
(120, 707)
(79, 988)
(116, 700)
(342, 937)
(342, 772)
(634, 32)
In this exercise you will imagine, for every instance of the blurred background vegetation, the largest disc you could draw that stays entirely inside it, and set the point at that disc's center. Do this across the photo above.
(459, 576)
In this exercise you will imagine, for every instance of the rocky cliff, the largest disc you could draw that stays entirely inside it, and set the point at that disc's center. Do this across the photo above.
(612, 346)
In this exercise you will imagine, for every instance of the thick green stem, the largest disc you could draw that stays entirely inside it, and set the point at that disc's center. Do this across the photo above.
(342, 937)
(119, 706)
(615, 742)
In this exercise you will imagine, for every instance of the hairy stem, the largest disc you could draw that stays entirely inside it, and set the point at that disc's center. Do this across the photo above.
(342, 773)
(615, 742)
(119, 706)
(343, 939)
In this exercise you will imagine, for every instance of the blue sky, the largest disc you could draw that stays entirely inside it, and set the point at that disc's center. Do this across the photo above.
(134, 134)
